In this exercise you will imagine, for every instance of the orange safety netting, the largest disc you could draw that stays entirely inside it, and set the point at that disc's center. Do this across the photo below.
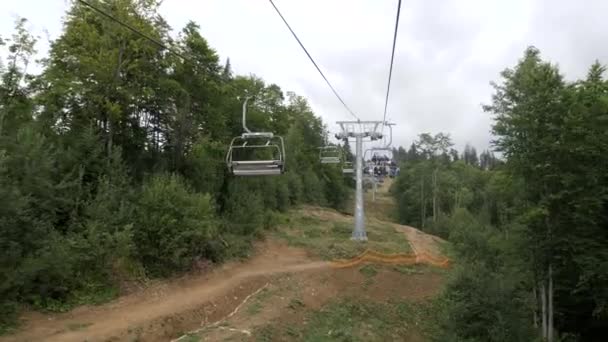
(392, 259)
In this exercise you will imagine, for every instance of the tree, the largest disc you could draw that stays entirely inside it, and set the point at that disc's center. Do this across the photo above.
(112, 160)
(15, 103)
(454, 155)
(431, 147)
(470, 155)
(100, 75)
(412, 153)
(487, 160)
(540, 122)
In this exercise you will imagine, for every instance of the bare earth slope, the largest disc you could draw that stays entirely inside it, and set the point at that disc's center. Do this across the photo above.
(164, 309)
(274, 278)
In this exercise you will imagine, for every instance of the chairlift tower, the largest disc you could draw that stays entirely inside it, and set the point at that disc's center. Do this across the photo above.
(359, 130)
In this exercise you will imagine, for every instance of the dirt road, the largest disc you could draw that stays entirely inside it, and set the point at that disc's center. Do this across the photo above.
(163, 310)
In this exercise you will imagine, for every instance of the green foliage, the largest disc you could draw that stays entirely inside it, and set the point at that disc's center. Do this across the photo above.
(245, 206)
(368, 271)
(112, 160)
(174, 226)
(486, 298)
(536, 220)
(554, 136)
(483, 304)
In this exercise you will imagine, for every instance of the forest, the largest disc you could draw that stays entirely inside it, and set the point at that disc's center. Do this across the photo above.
(529, 229)
(112, 172)
(112, 159)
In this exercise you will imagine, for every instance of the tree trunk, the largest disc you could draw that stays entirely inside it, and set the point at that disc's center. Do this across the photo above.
(550, 309)
(422, 204)
(434, 195)
(535, 308)
(2, 119)
(110, 140)
(543, 301)
(110, 119)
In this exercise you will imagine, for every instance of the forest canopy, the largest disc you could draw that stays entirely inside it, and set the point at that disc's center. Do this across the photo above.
(112, 158)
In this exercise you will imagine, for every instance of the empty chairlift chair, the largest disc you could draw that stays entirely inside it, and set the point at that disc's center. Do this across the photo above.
(329, 155)
(348, 168)
(256, 153)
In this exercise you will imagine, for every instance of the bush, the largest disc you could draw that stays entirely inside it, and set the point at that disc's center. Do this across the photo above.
(244, 211)
(482, 304)
(454, 225)
(312, 188)
(295, 186)
(282, 195)
(173, 226)
(336, 190)
(486, 298)
(205, 167)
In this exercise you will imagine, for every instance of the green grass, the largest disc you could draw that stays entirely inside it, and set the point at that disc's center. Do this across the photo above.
(331, 239)
(295, 304)
(369, 271)
(354, 319)
(254, 307)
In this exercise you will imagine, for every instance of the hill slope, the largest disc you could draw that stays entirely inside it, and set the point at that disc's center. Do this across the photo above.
(287, 290)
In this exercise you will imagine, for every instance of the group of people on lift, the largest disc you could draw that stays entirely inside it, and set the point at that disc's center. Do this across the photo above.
(381, 166)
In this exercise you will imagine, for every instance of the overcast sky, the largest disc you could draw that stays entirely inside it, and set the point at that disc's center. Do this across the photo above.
(447, 51)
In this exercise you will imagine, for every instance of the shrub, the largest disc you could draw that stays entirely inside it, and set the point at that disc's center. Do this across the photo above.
(245, 210)
(173, 226)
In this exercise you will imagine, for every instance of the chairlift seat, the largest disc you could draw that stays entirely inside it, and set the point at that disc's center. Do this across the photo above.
(330, 160)
(257, 168)
(348, 168)
(253, 135)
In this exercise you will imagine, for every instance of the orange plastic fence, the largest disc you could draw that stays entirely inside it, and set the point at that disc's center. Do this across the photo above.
(392, 259)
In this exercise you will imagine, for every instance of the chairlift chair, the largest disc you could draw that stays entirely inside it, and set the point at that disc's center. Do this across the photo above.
(385, 148)
(329, 155)
(252, 144)
(348, 168)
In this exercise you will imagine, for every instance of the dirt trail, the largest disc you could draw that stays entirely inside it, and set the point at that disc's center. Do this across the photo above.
(129, 316)
(166, 309)
(424, 246)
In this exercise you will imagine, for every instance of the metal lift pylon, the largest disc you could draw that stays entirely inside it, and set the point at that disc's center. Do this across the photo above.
(359, 130)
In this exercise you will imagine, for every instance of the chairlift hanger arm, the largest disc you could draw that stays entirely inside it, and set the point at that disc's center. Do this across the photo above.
(245, 115)
(390, 137)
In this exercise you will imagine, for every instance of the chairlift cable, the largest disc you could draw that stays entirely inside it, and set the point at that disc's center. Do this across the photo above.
(313, 61)
(390, 73)
(136, 31)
